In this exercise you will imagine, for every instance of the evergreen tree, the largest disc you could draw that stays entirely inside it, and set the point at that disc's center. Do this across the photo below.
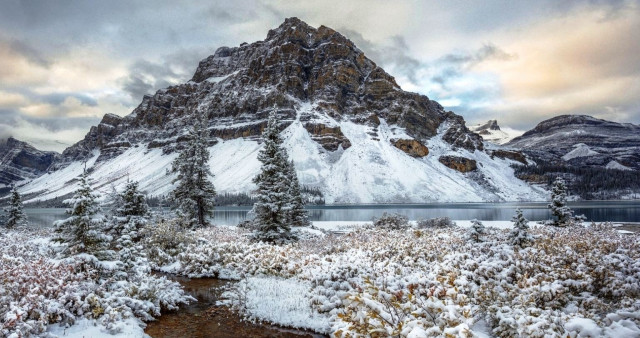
(131, 215)
(272, 206)
(298, 217)
(194, 194)
(476, 231)
(83, 230)
(15, 214)
(562, 214)
(520, 234)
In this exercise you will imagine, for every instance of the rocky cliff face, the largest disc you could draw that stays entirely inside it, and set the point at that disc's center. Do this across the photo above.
(19, 161)
(237, 87)
(581, 140)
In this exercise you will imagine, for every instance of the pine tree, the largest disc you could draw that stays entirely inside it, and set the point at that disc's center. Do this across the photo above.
(562, 214)
(272, 206)
(131, 215)
(15, 213)
(476, 231)
(520, 235)
(194, 194)
(83, 230)
(298, 217)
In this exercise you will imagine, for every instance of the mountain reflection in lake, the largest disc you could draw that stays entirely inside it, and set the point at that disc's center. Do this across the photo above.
(598, 211)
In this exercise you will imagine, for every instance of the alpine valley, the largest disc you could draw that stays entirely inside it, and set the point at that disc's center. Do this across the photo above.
(352, 132)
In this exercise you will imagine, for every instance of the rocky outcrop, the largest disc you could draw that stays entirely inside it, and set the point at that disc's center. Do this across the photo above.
(458, 163)
(459, 135)
(236, 88)
(19, 160)
(330, 138)
(103, 137)
(512, 155)
(413, 148)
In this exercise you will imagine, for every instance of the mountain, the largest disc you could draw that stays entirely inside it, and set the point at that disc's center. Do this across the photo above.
(581, 140)
(352, 132)
(20, 161)
(491, 132)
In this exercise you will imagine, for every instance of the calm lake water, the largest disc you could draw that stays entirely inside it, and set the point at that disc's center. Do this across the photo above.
(598, 211)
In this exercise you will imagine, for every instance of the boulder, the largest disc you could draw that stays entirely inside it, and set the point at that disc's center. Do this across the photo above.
(461, 164)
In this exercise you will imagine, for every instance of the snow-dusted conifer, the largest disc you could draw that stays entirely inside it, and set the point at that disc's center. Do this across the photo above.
(562, 214)
(131, 215)
(83, 230)
(15, 214)
(194, 193)
(298, 217)
(272, 206)
(520, 234)
(476, 231)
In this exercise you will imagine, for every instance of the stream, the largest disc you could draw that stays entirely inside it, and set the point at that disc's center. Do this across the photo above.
(205, 319)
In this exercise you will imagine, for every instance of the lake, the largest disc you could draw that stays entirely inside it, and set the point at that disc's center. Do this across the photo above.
(598, 211)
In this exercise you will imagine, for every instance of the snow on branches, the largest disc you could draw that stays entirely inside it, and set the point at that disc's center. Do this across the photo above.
(279, 203)
(15, 214)
(194, 192)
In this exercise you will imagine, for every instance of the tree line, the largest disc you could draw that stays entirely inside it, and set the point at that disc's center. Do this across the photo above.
(587, 182)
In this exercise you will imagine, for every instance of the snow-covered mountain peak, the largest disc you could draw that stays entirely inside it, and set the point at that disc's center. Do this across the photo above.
(491, 132)
(352, 131)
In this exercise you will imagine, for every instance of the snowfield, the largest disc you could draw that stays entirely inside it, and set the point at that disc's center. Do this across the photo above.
(427, 282)
(361, 281)
(372, 170)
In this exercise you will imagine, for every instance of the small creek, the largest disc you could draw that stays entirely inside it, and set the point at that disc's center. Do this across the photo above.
(204, 319)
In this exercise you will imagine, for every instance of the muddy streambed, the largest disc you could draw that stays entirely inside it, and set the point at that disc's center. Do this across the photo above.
(204, 319)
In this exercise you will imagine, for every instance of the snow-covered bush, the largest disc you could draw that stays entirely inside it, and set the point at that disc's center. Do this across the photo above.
(37, 290)
(391, 222)
(438, 222)
(407, 282)
(164, 240)
(520, 235)
(476, 231)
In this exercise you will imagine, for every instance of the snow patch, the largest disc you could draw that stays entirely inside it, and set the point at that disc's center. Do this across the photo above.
(615, 165)
(581, 150)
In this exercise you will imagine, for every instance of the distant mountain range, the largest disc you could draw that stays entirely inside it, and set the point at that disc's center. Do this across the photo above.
(352, 132)
(491, 132)
(20, 161)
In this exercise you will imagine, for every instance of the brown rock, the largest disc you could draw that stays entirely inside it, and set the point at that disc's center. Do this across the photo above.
(412, 147)
(461, 164)
(330, 138)
(512, 155)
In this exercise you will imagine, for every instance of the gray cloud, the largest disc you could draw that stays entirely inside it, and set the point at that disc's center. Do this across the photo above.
(433, 51)
(394, 53)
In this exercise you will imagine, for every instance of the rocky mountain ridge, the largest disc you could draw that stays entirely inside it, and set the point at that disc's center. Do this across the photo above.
(236, 88)
(19, 160)
(581, 140)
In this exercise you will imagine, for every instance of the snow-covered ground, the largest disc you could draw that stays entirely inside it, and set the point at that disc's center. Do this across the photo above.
(350, 278)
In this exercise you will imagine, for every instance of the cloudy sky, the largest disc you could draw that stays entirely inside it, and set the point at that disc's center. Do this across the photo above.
(64, 64)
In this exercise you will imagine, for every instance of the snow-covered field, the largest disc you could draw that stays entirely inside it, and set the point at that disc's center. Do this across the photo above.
(351, 279)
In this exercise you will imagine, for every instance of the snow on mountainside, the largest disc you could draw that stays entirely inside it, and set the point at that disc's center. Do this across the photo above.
(351, 130)
(580, 150)
(581, 140)
(491, 132)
